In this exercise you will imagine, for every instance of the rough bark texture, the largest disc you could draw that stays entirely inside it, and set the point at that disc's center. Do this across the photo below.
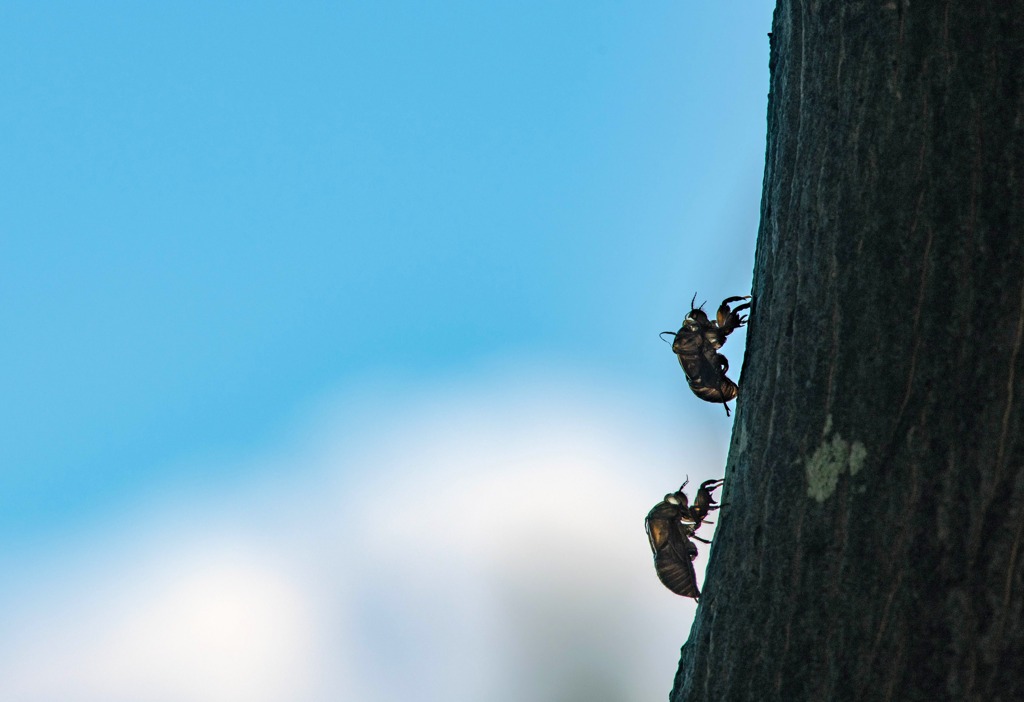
(872, 546)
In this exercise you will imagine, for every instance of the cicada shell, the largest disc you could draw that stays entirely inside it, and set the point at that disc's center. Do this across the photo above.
(696, 346)
(671, 525)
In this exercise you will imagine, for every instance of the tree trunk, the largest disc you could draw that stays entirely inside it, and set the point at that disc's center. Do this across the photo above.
(871, 543)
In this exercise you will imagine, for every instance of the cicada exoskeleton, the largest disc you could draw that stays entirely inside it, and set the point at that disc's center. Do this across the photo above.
(671, 525)
(696, 345)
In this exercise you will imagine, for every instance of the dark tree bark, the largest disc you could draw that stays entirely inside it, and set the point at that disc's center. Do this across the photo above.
(872, 546)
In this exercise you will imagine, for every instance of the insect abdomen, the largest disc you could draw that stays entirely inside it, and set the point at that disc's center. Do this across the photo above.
(724, 391)
(677, 575)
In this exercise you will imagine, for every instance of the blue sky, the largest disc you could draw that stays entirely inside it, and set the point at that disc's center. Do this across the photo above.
(239, 231)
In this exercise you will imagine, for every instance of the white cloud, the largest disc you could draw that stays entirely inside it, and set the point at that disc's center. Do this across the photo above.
(483, 542)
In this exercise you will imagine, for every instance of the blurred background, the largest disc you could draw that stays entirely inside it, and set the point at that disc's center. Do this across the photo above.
(330, 361)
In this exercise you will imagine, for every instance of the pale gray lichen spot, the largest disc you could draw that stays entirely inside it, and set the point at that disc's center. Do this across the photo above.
(825, 466)
(857, 456)
(829, 461)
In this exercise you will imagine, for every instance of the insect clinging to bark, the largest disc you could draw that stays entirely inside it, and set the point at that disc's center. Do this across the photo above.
(670, 526)
(696, 345)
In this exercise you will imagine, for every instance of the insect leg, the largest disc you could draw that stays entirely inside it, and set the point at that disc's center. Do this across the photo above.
(729, 319)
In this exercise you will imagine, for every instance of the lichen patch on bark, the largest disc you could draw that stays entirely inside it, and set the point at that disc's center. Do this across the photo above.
(830, 460)
(857, 456)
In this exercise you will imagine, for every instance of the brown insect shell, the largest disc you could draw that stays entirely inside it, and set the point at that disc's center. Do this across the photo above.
(673, 551)
(688, 342)
(660, 522)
